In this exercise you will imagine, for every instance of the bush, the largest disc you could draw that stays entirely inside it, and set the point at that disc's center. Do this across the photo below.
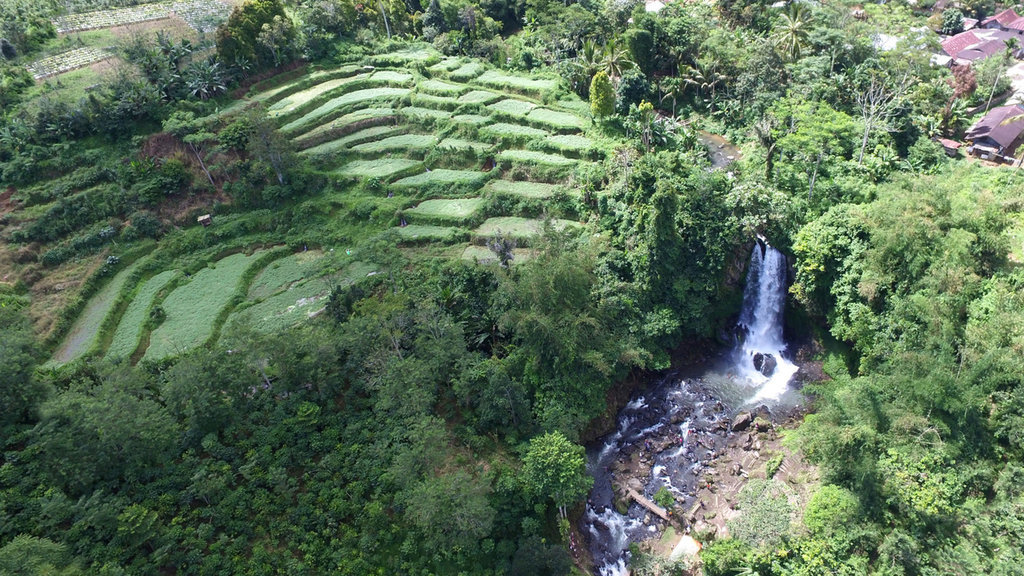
(724, 557)
(633, 88)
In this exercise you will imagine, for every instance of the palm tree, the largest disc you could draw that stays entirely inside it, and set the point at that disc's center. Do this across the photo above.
(616, 59)
(790, 32)
(589, 58)
(674, 88)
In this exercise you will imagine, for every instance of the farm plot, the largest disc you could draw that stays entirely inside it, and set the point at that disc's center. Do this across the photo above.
(556, 119)
(446, 210)
(479, 97)
(284, 273)
(471, 119)
(349, 99)
(297, 302)
(426, 233)
(359, 137)
(516, 227)
(436, 102)
(379, 168)
(84, 333)
(498, 79)
(402, 142)
(67, 61)
(570, 142)
(483, 254)
(441, 176)
(441, 88)
(293, 101)
(129, 329)
(467, 71)
(522, 188)
(113, 17)
(405, 56)
(534, 157)
(346, 120)
(420, 113)
(200, 15)
(193, 308)
(503, 130)
(513, 107)
(447, 64)
(460, 144)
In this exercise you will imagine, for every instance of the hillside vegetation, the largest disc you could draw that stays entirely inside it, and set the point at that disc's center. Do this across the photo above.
(446, 241)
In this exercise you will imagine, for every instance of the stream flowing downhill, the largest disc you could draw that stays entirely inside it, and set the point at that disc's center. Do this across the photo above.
(679, 425)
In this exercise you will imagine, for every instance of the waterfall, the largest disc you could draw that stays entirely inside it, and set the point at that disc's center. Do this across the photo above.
(759, 357)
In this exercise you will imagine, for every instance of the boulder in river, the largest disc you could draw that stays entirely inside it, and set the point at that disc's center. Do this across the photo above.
(765, 363)
(742, 422)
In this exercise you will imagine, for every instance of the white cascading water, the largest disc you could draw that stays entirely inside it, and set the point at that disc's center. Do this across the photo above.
(764, 301)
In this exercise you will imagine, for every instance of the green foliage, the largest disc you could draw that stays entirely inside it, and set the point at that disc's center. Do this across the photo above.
(664, 498)
(765, 513)
(602, 96)
(21, 391)
(952, 21)
(724, 557)
(831, 509)
(555, 468)
(256, 31)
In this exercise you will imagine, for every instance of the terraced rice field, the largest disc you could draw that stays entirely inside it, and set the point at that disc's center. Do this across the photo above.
(191, 309)
(344, 121)
(502, 129)
(513, 107)
(348, 99)
(131, 326)
(441, 88)
(300, 293)
(479, 97)
(499, 79)
(534, 157)
(556, 119)
(446, 210)
(438, 148)
(522, 188)
(84, 334)
(516, 227)
(440, 176)
(483, 254)
(426, 233)
(379, 168)
(292, 102)
(370, 135)
(408, 142)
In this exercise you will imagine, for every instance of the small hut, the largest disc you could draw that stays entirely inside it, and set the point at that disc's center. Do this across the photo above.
(205, 220)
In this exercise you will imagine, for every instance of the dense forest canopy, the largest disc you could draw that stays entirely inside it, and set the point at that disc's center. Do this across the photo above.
(447, 238)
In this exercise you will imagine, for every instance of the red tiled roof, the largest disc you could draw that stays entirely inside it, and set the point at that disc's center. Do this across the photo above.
(956, 44)
(1004, 18)
(947, 143)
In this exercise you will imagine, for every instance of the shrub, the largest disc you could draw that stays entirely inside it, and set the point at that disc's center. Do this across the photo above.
(724, 557)
(602, 96)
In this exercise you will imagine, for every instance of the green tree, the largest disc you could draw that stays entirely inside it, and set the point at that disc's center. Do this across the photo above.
(641, 48)
(30, 556)
(239, 37)
(20, 390)
(791, 30)
(602, 95)
(433, 21)
(557, 468)
(952, 21)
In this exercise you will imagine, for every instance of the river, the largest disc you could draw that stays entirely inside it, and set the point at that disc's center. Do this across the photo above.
(671, 433)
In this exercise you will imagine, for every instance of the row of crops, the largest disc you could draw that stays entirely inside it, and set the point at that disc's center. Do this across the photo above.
(456, 156)
(201, 15)
(153, 315)
(67, 61)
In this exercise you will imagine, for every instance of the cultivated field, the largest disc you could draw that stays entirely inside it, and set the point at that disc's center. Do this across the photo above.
(440, 163)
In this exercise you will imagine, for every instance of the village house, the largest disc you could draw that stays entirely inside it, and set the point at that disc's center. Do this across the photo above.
(1006, 21)
(998, 135)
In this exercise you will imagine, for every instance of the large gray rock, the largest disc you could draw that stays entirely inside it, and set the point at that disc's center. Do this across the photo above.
(742, 422)
(765, 363)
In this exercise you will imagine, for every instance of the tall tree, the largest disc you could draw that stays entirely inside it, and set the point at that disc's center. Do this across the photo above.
(602, 95)
(791, 30)
(555, 467)
(879, 103)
